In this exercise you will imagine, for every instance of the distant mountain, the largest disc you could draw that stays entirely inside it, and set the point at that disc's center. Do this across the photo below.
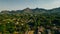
(55, 10)
(37, 10)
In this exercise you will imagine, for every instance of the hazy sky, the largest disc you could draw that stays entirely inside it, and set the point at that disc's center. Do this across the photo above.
(21, 4)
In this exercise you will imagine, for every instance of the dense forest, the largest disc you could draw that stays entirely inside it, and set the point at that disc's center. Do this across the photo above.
(22, 21)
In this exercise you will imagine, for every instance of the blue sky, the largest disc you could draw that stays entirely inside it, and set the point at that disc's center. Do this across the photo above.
(21, 4)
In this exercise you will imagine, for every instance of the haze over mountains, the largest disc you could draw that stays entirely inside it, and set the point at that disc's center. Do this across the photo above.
(33, 11)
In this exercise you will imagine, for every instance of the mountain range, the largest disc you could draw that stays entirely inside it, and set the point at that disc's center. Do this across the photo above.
(35, 11)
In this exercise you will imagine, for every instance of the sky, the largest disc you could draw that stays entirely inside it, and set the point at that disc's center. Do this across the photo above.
(22, 4)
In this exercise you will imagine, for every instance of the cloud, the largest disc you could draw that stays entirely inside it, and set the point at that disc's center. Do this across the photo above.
(21, 4)
(50, 5)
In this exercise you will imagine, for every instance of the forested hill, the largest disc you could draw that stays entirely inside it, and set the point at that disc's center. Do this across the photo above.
(33, 11)
(26, 20)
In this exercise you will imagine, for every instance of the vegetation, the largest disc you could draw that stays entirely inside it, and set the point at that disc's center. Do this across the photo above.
(19, 21)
